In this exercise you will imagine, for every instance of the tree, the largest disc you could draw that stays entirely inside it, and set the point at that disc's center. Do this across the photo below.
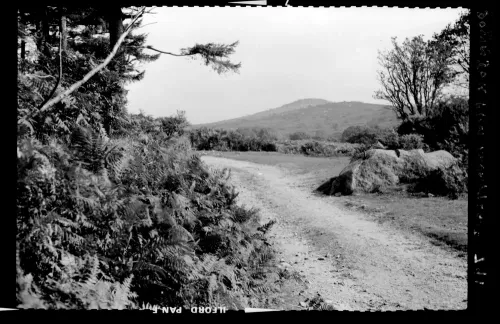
(457, 35)
(95, 68)
(414, 75)
(91, 67)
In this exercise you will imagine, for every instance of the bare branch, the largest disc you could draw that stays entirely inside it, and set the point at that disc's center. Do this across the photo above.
(147, 25)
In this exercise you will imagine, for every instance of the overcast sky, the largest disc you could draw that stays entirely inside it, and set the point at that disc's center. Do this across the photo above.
(286, 54)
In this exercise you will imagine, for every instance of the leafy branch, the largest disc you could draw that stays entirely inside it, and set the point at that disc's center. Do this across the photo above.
(78, 84)
(212, 54)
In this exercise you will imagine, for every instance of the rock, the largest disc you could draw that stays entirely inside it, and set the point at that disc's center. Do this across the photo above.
(379, 145)
(321, 259)
(386, 168)
(303, 304)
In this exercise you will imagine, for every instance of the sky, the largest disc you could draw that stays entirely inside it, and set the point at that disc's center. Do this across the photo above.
(286, 54)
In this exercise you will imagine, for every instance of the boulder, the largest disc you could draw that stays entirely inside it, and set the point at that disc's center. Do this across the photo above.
(379, 145)
(387, 168)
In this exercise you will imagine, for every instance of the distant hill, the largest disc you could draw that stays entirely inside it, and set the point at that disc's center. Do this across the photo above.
(313, 115)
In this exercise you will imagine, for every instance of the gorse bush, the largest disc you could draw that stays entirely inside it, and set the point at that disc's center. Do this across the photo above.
(364, 134)
(299, 136)
(450, 181)
(255, 139)
(244, 139)
(316, 148)
(391, 140)
(445, 128)
(411, 142)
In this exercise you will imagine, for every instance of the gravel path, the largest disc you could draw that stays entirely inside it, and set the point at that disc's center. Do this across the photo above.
(346, 258)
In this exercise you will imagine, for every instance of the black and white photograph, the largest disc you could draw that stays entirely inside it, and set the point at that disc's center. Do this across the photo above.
(209, 159)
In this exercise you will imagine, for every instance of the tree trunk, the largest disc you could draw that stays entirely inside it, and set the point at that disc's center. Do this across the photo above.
(64, 33)
(23, 42)
(114, 16)
(43, 32)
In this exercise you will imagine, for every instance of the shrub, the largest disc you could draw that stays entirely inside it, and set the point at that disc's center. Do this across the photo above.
(174, 125)
(336, 137)
(447, 123)
(364, 134)
(411, 142)
(391, 140)
(360, 152)
(92, 215)
(299, 136)
(316, 148)
(319, 135)
(246, 139)
(450, 181)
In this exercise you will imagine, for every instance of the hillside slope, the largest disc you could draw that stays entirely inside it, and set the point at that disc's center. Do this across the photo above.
(298, 104)
(313, 115)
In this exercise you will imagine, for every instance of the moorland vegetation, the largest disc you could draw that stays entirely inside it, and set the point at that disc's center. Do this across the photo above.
(426, 83)
(115, 210)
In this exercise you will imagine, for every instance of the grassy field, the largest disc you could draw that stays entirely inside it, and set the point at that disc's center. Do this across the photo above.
(442, 220)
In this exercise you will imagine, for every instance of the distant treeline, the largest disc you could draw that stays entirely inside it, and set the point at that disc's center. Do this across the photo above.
(446, 128)
(244, 139)
(267, 140)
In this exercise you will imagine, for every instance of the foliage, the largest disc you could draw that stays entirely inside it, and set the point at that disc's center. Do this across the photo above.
(446, 128)
(457, 35)
(364, 134)
(450, 181)
(414, 75)
(262, 139)
(360, 152)
(98, 102)
(390, 139)
(320, 135)
(411, 142)
(359, 134)
(215, 55)
(114, 209)
(174, 125)
(316, 148)
(299, 136)
(152, 212)
(242, 139)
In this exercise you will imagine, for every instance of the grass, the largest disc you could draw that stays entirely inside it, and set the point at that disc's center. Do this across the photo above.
(442, 220)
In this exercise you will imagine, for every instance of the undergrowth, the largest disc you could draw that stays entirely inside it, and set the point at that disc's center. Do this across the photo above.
(115, 223)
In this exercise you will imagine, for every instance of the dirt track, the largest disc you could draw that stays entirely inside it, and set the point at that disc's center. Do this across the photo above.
(346, 258)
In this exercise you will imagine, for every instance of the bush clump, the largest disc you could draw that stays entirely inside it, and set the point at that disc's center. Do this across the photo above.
(316, 148)
(411, 142)
(242, 139)
(113, 223)
(365, 134)
(450, 182)
(444, 128)
(297, 136)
